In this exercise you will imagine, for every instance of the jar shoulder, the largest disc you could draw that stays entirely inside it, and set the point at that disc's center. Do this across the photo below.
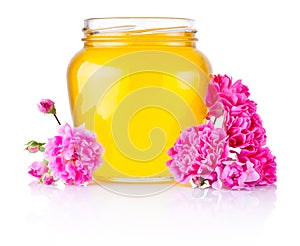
(101, 56)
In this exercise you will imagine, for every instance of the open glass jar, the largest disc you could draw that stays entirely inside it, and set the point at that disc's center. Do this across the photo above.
(137, 83)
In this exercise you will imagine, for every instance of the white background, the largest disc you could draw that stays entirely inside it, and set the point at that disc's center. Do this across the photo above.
(257, 41)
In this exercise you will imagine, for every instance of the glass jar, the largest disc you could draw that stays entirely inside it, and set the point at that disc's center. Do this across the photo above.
(137, 83)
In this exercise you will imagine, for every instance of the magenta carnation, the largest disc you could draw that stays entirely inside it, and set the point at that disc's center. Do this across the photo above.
(73, 154)
(231, 94)
(264, 164)
(197, 152)
(244, 130)
(235, 175)
(241, 122)
(231, 157)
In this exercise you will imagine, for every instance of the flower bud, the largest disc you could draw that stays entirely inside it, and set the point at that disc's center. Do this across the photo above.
(47, 106)
(34, 146)
(47, 179)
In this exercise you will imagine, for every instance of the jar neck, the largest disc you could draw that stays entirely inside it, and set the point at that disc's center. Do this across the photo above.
(110, 32)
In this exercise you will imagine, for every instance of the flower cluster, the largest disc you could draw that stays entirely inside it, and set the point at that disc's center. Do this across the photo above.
(232, 156)
(71, 156)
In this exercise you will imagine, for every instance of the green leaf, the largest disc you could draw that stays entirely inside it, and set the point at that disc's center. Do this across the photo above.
(32, 143)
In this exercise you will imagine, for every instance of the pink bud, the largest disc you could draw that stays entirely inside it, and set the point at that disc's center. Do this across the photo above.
(47, 179)
(46, 106)
(34, 146)
(37, 169)
(33, 149)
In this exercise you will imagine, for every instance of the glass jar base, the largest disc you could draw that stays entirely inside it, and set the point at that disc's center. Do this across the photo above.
(134, 179)
(136, 187)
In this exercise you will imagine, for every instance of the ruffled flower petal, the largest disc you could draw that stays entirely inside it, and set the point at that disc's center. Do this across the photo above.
(73, 155)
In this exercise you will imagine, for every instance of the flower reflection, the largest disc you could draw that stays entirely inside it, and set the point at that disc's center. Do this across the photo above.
(225, 210)
(259, 198)
(175, 211)
(176, 200)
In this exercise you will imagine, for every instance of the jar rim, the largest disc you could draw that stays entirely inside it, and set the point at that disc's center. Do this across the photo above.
(140, 17)
(115, 24)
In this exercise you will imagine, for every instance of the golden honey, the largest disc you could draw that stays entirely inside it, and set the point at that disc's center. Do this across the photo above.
(137, 83)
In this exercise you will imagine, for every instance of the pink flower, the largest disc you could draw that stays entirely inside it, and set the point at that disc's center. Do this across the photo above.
(264, 164)
(245, 130)
(241, 122)
(231, 94)
(235, 175)
(46, 106)
(201, 154)
(197, 152)
(259, 132)
(47, 179)
(73, 154)
(37, 169)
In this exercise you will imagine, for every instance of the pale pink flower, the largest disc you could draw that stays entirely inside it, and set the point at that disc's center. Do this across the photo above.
(47, 179)
(264, 164)
(46, 106)
(235, 175)
(38, 169)
(73, 154)
(197, 152)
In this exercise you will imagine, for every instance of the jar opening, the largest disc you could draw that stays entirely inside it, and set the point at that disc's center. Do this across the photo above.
(139, 31)
(137, 25)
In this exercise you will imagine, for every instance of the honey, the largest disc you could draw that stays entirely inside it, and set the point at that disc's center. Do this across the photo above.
(137, 83)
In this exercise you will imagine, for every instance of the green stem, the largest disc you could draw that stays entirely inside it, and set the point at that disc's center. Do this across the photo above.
(57, 119)
(215, 120)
